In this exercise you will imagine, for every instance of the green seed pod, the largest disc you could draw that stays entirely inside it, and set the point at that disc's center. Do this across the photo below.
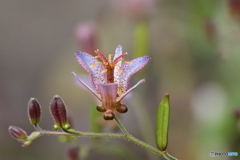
(163, 123)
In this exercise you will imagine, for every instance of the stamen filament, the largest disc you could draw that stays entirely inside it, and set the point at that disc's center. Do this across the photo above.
(110, 58)
(99, 53)
(119, 57)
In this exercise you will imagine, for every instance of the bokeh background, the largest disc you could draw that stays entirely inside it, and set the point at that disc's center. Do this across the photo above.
(195, 50)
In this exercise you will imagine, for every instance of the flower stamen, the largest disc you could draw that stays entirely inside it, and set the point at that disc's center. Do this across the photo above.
(119, 58)
(120, 70)
(99, 53)
(110, 58)
(104, 71)
(127, 62)
(94, 64)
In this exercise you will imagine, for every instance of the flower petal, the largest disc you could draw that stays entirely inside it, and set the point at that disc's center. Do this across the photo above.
(130, 90)
(118, 52)
(108, 94)
(129, 69)
(85, 85)
(86, 60)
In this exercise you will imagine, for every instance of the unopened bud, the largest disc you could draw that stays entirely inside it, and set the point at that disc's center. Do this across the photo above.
(86, 36)
(34, 111)
(237, 113)
(234, 8)
(18, 133)
(136, 8)
(72, 153)
(59, 113)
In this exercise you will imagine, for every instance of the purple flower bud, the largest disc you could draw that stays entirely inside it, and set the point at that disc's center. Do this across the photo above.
(18, 133)
(72, 153)
(236, 114)
(85, 34)
(234, 8)
(136, 9)
(59, 113)
(34, 111)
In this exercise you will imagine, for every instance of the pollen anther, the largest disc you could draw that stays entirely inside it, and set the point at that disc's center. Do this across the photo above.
(120, 70)
(127, 62)
(94, 64)
(104, 71)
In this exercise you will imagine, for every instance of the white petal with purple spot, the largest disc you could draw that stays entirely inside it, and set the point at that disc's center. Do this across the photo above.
(129, 69)
(86, 60)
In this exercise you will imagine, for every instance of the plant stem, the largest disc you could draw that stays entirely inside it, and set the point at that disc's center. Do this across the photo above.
(81, 134)
(124, 135)
(141, 143)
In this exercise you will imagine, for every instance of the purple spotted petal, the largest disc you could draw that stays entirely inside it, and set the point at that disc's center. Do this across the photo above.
(129, 69)
(108, 94)
(85, 85)
(130, 90)
(86, 60)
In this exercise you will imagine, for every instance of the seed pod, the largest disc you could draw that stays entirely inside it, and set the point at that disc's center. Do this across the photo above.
(163, 123)
(34, 111)
(59, 113)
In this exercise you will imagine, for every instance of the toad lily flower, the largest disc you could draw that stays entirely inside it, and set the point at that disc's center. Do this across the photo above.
(110, 78)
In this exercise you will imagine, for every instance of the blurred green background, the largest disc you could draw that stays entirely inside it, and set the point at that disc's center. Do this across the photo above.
(195, 51)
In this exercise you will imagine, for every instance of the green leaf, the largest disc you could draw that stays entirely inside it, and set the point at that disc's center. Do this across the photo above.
(163, 123)
(94, 125)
